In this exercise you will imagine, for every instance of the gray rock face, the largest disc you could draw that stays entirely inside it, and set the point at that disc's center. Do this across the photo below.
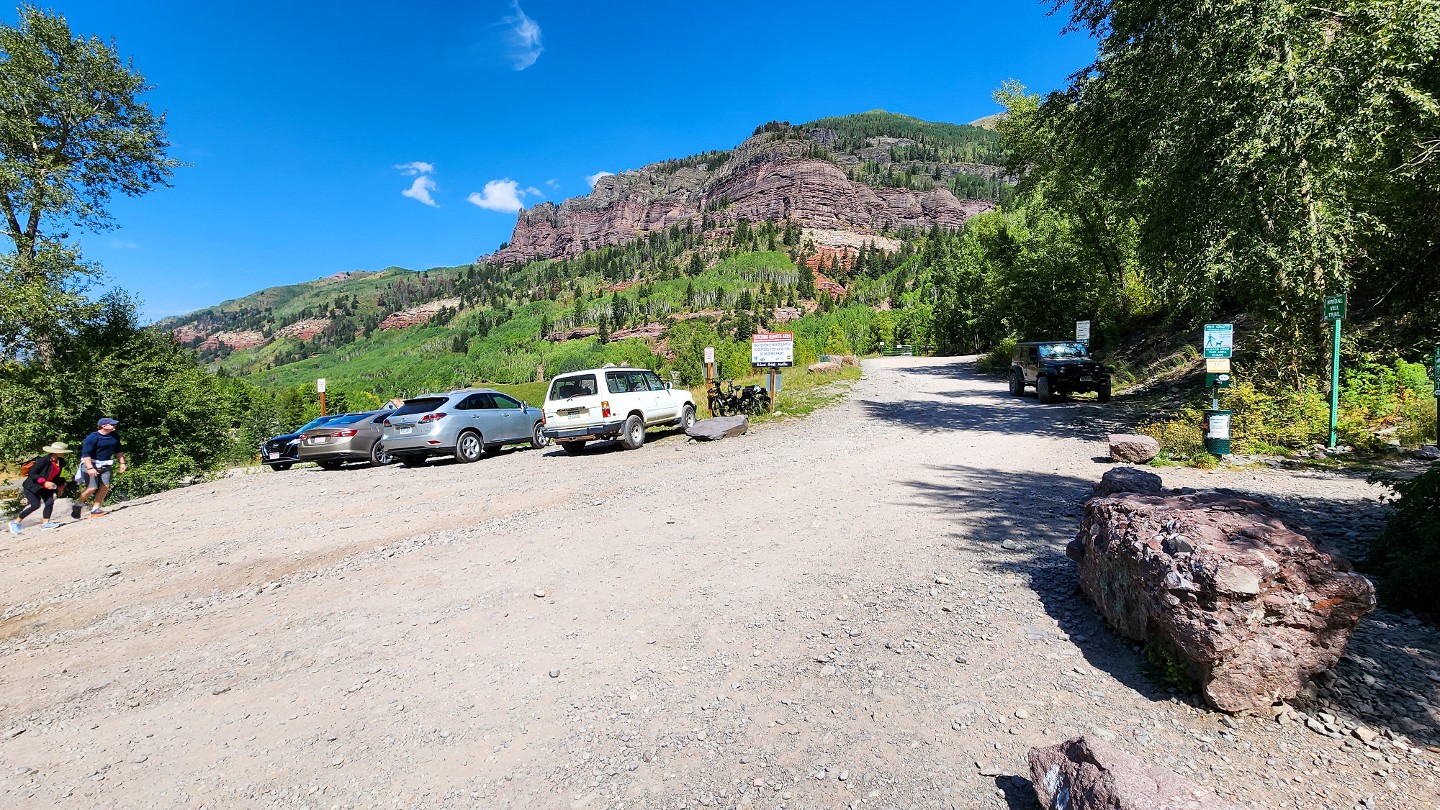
(1133, 448)
(721, 427)
(1126, 479)
(1251, 609)
(1086, 774)
(1427, 452)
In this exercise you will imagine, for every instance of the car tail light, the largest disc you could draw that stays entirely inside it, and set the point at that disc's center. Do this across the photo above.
(344, 434)
(387, 423)
(432, 417)
(605, 409)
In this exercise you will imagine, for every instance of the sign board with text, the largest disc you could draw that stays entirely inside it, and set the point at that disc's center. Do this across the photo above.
(1217, 365)
(772, 350)
(1335, 307)
(320, 385)
(709, 354)
(1219, 339)
(1082, 332)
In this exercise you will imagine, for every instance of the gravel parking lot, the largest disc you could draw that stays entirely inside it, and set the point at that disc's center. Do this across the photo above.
(869, 607)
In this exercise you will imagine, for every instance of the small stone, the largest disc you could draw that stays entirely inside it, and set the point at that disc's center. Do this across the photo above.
(112, 571)
(219, 690)
(1022, 713)
(942, 580)
(14, 732)
(539, 593)
(1103, 733)
(337, 761)
(554, 673)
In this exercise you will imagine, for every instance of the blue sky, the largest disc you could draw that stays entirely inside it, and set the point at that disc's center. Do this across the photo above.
(324, 137)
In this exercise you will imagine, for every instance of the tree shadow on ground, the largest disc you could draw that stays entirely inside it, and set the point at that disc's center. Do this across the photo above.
(1389, 677)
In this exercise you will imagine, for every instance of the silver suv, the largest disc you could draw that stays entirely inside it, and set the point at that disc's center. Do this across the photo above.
(612, 403)
(463, 424)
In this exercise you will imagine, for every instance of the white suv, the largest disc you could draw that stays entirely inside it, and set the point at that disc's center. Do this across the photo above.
(610, 403)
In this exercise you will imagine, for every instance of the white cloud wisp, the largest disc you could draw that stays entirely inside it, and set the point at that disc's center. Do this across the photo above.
(500, 195)
(420, 191)
(522, 39)
(592, 179)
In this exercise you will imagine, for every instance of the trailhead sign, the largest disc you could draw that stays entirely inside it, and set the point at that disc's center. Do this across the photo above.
(1219, 339)
(772, 350)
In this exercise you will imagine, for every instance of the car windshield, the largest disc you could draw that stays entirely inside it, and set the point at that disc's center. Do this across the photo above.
(1062, 351)
(421, 405)
(581, 385)
(348, 419)
(317, 422)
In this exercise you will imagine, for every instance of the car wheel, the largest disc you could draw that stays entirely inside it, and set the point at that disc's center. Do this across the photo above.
(282, 467)
(412, 461)
(378, 456)
(538, 439)
(1017, 383)
(1042, 390)
(330, 465)
(634, 435)
(687, 417)
(574, 447)
(1103, 394)
(469, 447)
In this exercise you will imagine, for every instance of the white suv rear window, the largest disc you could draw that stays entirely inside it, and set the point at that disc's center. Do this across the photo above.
(580, 385)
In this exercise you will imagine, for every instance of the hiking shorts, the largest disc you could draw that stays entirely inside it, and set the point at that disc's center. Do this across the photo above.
(102, 476)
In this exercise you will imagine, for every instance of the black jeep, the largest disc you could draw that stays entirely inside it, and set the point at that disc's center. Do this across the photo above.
(1057, 367)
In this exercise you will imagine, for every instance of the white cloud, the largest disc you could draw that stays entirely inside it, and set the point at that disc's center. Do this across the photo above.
(499, 195)
(420, 190)
(522, 39)
(553, 183)
(415, 167)
(592, 179)
(534, 191)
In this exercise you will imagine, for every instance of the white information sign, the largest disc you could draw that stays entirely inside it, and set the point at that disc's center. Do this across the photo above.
(320, 385)
(1219, 339)
(1082, 331)
(773, 350)
(709, 354)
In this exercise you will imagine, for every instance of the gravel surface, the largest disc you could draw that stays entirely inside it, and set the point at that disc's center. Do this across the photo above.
(870, 607)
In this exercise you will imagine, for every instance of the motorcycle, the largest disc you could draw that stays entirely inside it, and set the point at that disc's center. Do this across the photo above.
(727, 399)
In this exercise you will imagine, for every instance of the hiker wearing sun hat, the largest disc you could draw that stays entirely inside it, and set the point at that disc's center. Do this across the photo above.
(44, 477)
(101, 456)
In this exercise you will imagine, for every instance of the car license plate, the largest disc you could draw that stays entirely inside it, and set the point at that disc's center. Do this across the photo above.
(264, 452)
(1086, 378)
(402, 428)
(570, 411)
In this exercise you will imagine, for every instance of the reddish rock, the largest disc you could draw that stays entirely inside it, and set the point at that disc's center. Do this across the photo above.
(1126, 479)
(1250, 608)
(303, 330)
(720, 427)
(650, 331)
(1133, 447)
(417, 315)
(788, 314)
(235, 340)
(573, 334)
(1087, 774)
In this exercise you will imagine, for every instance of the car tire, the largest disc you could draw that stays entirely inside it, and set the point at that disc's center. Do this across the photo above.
(330, 465)
(687, 417)
(1017, 383)
(1103, 393)
(411, 462)
(538, 439)
(282, 467)
(1042, 390)
(632, 436)
(469, 447)
(378, 456)
(573, 447)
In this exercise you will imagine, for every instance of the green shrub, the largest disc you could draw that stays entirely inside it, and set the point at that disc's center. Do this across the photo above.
(997, 361)
(1406, 556)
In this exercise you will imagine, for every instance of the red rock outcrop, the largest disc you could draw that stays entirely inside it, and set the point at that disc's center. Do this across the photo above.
(765, 179)
(418, 314)
(235, 340)
(303, 330)
(1249, 608)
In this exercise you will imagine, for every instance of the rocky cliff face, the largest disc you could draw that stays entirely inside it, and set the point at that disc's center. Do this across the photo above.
(770, 177)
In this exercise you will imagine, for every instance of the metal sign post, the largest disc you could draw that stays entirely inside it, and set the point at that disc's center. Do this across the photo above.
(1218, 346)
(320, 387)
(1334, 313)
(1435, 367)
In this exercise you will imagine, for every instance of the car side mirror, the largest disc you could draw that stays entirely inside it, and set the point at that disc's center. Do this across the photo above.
(667, 386)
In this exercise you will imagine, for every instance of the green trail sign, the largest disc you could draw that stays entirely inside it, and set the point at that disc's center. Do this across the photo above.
(1219, 339)
(1335, 307)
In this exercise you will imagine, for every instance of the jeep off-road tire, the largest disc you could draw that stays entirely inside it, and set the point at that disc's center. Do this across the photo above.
(378, 456)
(632, 437)
(573, 447)
(687, 418)
(1017, 383)
(1042, 390)
(538, 439)
(1103, 393)
(469, 447)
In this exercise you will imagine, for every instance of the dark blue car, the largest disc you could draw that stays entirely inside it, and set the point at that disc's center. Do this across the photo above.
(280, 452)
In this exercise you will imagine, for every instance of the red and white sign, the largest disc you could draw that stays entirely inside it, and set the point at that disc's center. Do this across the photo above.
(772, 350)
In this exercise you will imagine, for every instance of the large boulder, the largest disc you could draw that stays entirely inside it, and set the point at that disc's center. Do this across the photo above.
(721, 427)
(1249, 608)
(1126, 479)
(1086, 774)
(1133, 448)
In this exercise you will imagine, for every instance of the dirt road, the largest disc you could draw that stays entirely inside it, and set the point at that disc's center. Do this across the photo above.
(866, 608)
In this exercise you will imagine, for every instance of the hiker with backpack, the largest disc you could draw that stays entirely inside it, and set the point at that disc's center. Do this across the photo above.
(44, 477)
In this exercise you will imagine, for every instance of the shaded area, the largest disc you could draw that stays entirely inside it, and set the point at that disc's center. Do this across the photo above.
(1389, 677)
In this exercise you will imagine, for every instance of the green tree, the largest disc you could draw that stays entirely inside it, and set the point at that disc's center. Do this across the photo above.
(74, 133)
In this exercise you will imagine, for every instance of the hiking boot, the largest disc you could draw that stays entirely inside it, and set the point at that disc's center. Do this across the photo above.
(98, 512)
(14, 527)
(75, 511)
